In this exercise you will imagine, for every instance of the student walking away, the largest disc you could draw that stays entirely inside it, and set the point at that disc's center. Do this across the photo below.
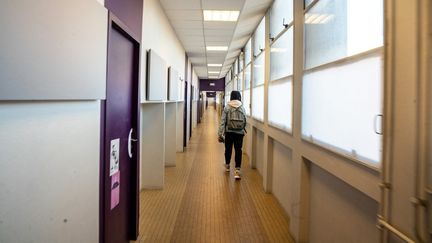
(232, 130)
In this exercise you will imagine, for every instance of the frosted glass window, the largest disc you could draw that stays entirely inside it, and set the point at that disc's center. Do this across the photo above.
(335, 29)
(240, 81)
(281, 56)
(228, 88)
(281, 13)
(259, 38)
(247, 82)
(246, 101)
(258, 103)
(241, 62)
(258, 76)
(280, 103)
(340, 105)
(248, 52)
(307, 2)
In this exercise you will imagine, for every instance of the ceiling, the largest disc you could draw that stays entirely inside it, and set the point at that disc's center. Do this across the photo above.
(186, 17)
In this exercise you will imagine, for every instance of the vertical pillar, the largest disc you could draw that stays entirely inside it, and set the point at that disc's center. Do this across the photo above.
(300, 181)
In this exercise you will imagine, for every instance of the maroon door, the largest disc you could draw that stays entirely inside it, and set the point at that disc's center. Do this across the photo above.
(119, 221)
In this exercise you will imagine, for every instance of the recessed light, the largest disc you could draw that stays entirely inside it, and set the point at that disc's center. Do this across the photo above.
(214, 65)
(213, 72)
(218, 15)
(213, 77)
(217, 48)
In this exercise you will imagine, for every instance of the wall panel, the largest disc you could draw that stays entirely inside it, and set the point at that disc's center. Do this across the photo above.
(53, 49)
(49, 188)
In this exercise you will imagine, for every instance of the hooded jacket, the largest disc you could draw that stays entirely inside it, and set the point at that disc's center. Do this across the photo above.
(233, 104)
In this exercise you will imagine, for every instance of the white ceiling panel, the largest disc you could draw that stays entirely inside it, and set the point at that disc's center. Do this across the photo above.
(189, 24)
(186, 18)
(220, 25)
(219, 38)
(184, 15)
(181, 5)
(223, 4)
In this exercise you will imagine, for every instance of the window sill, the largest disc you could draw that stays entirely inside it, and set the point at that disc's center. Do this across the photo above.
(363, 161)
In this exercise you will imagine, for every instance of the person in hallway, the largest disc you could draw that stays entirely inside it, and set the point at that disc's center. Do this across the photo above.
(232, 130)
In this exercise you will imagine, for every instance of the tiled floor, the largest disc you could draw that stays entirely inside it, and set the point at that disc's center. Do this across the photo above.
(202, 203)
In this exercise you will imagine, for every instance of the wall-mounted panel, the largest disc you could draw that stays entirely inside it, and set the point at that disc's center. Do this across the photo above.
(53, 50)
(156, 77)
(174, 83)
(49, 171)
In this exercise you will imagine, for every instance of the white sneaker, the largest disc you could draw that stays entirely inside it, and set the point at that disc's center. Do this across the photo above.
(237, 174)
(227, 167)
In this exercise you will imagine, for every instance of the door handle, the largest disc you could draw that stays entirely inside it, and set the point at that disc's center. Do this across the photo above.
(130, 140)
(378, 132)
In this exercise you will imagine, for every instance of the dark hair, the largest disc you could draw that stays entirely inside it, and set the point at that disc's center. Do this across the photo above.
(235, 95)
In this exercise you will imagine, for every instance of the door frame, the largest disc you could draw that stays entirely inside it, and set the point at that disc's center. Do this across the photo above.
(115, 22)
(185, 110)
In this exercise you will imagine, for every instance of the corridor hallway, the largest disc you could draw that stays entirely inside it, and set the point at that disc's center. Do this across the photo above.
(200, 202)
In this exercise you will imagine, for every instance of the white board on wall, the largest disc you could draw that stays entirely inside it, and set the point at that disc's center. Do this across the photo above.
(53, 50)
(174, 81)
(157, 85)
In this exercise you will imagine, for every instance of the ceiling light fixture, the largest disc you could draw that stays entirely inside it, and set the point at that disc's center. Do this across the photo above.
(214, 65)
(213, 72)
(217, 48)
(218, 15)
(213, 77)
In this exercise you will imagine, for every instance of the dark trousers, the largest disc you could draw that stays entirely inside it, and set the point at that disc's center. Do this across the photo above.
(236, 139)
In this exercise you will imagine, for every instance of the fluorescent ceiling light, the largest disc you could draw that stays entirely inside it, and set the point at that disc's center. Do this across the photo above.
(217, 48)
(213, 77)
(213, 72)
(217, 15)
(214, 65)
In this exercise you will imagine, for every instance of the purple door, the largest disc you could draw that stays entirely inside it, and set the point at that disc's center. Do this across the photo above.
(119, 218)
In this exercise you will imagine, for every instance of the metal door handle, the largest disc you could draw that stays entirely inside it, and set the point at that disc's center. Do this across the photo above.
(375, 124)
(130, 140)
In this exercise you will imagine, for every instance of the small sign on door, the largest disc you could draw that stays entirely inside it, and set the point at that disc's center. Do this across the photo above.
(115, 190)
(114, 156)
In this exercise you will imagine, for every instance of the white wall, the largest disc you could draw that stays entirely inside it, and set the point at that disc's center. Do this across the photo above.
(338, 212)
(195, 83)
(282, 175)
(259, 150)
(49, 187)
(189, 88)
(159, 36)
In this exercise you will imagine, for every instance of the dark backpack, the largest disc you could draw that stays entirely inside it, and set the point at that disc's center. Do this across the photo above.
(236, 119)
